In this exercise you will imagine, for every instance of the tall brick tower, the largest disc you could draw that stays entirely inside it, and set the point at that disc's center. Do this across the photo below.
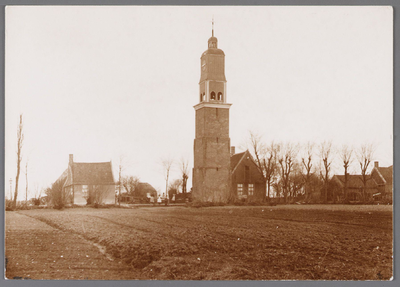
(211, 171)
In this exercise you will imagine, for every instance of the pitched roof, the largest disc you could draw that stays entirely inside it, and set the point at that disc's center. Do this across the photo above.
(235, 159)
(355, 181)
(63, 176)
(146, 187)
(387, 173)
(92, 173)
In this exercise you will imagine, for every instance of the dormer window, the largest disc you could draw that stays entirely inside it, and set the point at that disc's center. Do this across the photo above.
(219, 96)
(213, 95)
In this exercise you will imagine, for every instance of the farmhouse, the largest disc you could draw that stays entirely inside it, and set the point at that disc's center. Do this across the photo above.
(247, 180)
(142, 192)
(355, 186)
(89, 180)
(383, 177)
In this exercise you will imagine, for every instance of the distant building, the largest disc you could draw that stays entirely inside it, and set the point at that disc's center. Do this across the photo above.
(247, 180)
(142, 194)
(379, 184)
(383, 176)
(354, 186)
(84, 179)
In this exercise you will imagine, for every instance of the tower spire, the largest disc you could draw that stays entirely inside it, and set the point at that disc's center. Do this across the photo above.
(213, 26)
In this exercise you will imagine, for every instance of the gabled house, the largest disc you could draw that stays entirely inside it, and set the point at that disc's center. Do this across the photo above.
(247, 182)
(89, 180)
(354, 186)
(383, 176)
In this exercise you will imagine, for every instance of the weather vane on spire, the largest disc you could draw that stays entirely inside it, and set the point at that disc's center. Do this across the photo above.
(213, 26)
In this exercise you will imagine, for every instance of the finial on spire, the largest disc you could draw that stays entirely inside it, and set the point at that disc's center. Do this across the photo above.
(213, 26)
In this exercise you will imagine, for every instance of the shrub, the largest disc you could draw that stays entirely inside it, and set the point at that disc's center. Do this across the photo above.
(55, 194)
(198, 204)
(36, 201)
(9, 205)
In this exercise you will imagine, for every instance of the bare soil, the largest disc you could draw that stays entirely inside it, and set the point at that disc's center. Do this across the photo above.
(317, 242)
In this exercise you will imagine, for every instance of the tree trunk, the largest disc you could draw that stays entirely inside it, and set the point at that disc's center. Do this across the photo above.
(16, 186)
(345, 185)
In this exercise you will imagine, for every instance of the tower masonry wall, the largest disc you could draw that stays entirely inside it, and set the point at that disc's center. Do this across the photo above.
(211, 185)
(212, 122)
(211, 173)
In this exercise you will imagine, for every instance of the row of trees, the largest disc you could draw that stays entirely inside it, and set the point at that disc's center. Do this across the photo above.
(291, 169)
(177, 184)
(37, 191)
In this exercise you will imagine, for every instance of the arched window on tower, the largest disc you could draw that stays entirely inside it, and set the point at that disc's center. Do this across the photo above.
(212, 95)
(201, 97)
(219, 96)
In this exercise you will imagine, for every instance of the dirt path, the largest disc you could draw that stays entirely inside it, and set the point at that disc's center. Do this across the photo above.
(35, 250)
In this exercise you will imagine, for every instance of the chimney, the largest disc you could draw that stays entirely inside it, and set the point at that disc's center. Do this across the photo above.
(71, 158)
(232, 150)
(376, 164)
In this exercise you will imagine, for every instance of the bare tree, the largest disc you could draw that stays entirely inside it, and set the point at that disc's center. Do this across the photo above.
(55, 193)
(20, 141)
(99, 192)
(37, 195)
(306, 161)
(26, 180)
(270, 165)
(286, 160)
(184, 167)
(346, 156)
(265, 158)
(174, 187)
(364, 157)
(296, 181)
(325, 149)
(122, 162)
(167, 165)
(131, 184)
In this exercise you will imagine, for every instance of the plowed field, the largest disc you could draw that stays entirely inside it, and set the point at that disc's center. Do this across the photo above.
(215, 243)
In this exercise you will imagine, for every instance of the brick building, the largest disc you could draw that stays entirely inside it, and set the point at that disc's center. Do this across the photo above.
(85, 179)
(355, 187)
(211, 171)
(379, 184)
(383, 176)
(247, 180)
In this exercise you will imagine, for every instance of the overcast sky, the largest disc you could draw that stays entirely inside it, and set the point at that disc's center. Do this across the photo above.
(101, 82)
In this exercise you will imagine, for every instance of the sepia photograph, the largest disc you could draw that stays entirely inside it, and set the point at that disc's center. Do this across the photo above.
(199, 143)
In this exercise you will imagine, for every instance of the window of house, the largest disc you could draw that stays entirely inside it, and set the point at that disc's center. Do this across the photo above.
(85, 189)
(251, 189)
(213, 95)
(240, 190)
(219, 96)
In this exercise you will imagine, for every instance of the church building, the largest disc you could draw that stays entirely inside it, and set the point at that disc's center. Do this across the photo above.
(212, 168)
